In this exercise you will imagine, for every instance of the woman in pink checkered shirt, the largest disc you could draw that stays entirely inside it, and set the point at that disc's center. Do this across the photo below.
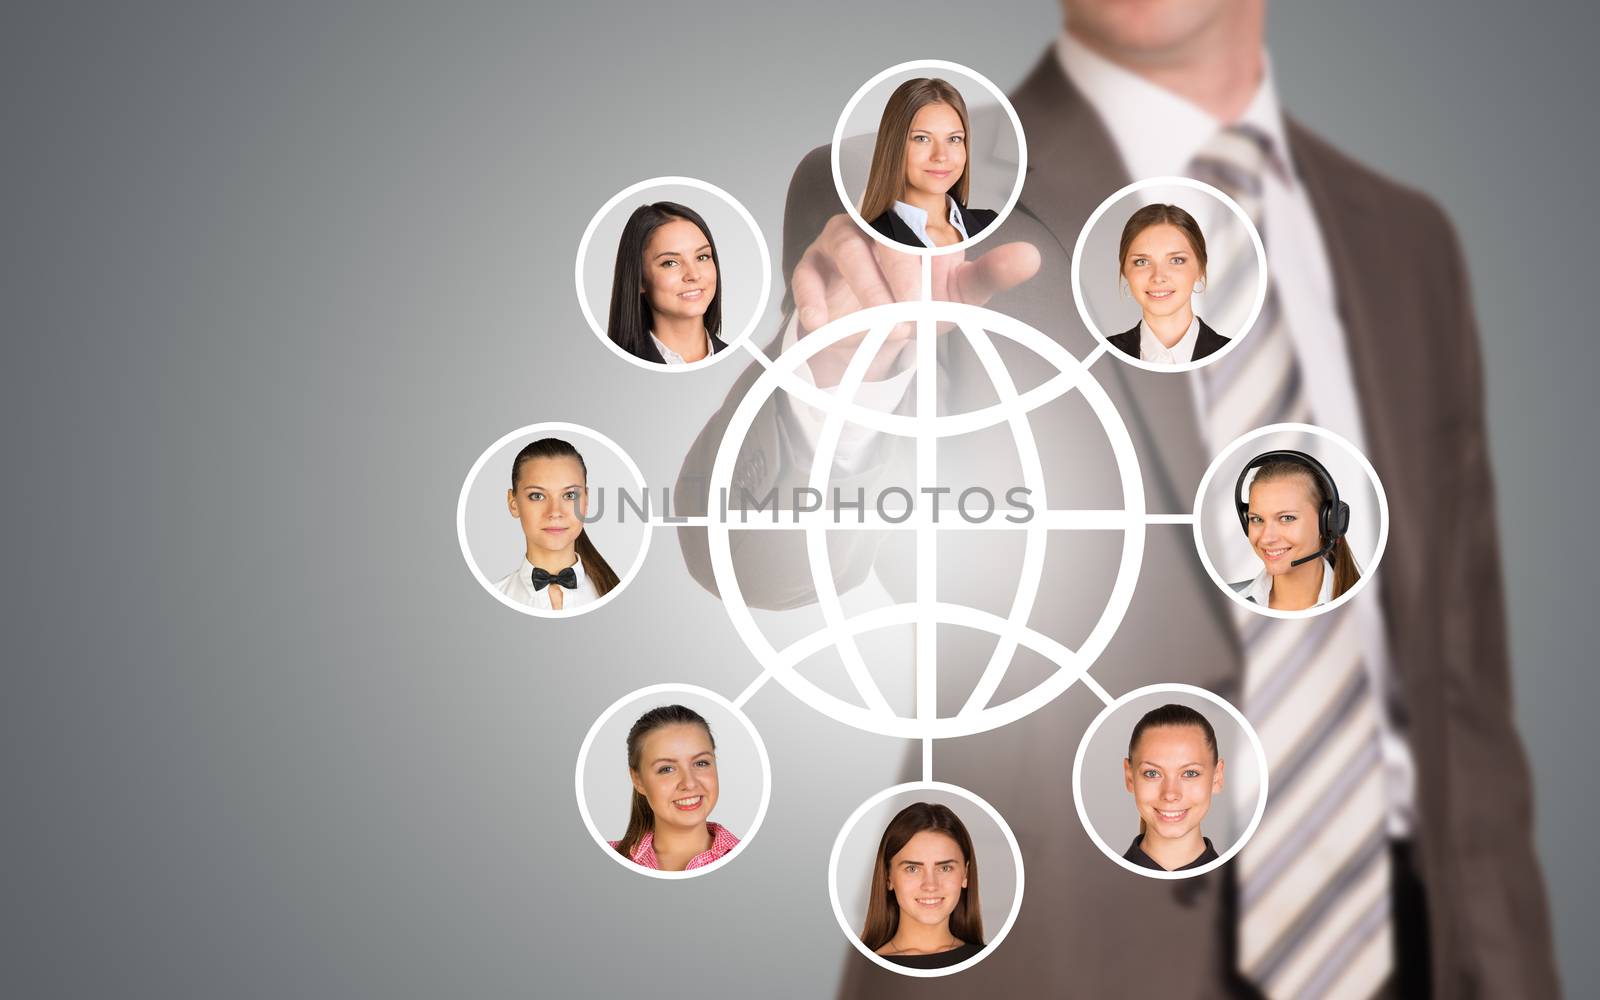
(672, 761)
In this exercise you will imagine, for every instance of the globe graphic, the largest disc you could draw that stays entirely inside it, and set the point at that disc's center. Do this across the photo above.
(931, 320)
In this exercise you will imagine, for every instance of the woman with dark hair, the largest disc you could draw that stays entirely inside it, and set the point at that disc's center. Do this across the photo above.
(561, 569)
(666, 299)
(918, 185)
(1172, 769)
(1162, 262)
(672, 762)
(1296, 524)
(922, 902)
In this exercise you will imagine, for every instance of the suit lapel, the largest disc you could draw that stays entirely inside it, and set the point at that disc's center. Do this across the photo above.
(900, 232)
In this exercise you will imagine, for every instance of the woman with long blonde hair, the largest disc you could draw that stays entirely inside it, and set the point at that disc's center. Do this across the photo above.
(920, 178)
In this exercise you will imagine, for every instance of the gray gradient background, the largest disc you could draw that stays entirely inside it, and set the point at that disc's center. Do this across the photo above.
(275, 276)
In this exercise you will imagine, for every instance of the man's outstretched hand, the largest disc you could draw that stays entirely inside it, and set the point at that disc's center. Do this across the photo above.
(845, 270)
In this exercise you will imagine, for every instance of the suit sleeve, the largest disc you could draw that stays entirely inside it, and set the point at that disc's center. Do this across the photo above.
(1505, 920)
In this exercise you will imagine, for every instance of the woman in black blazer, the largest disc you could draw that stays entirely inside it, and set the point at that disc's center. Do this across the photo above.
(917, 188)
(1162, 263)
(666, 292)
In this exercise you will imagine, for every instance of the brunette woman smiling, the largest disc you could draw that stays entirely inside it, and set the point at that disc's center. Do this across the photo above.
(672, 763)
(666, 296)
(922, 903)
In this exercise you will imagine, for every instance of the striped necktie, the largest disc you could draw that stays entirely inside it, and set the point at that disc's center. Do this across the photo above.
(1313, 883)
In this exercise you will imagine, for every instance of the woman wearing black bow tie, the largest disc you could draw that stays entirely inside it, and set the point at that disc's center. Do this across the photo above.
(549, 494)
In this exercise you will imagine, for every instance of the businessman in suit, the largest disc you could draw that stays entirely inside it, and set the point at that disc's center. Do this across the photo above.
(1404, 871)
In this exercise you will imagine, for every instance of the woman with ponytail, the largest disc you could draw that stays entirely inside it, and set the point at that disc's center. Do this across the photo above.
(1296, 525)
(672, 762)
(1172, 770)
(922, 903)
(561, 569)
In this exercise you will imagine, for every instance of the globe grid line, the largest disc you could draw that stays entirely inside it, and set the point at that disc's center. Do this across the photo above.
(1034, 549)
(820, 565)
(976, 714)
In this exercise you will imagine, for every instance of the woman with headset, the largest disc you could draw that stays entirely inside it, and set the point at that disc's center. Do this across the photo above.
(918, 185)
(1296, 524)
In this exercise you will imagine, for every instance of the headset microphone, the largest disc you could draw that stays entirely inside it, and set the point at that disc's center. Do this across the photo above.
(1315, 555)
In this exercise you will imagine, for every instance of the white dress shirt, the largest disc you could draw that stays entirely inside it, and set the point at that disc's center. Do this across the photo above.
(917, 219)
(1259, 590)
(1126, 103)
(519, 587)
(1153, 350)
(672, 357)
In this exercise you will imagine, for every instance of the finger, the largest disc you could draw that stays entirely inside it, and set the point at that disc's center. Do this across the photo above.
(976, 282)
(841, 300)
(902, 271)
(851, 255)
(809, 285)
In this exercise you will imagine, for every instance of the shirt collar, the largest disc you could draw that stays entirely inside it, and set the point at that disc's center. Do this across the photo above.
(527, 570)
(1180, 353)
(1260, 589)
(672, 357)
(1137, 855)
(917, 219)
(1157, 132)
(644, 852)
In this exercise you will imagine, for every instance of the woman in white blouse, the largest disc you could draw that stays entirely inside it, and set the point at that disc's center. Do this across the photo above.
(561, 568)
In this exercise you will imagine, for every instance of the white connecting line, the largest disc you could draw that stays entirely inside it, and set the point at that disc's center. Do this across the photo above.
(922, 513)
(870, 520)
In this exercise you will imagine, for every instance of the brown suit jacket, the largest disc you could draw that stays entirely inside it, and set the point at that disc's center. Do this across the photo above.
(1088, 928)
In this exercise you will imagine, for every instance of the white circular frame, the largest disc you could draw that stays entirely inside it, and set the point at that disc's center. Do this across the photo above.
(761, 247)
(1255, 747)
(700, 692)
(1262, 279)
(838, 848)
(1000, 98)
(461, 518)
(1228, 453)
(1072, 663)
